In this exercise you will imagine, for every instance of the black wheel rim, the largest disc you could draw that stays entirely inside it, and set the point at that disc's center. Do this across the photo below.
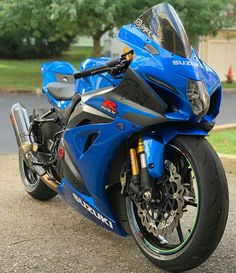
(173, 243)
(29, 177)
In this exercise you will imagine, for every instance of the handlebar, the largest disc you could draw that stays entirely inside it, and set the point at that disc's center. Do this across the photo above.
(91, 72)
(115, 65)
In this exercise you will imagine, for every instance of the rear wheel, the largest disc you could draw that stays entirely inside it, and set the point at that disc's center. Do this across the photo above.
(33, 183)
(182, 227)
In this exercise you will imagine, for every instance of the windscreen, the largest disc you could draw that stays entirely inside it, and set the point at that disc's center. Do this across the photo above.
(162, 24)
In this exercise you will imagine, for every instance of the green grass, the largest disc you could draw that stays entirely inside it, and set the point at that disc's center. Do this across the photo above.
(25, 74)
(224, 141)
(229, 85)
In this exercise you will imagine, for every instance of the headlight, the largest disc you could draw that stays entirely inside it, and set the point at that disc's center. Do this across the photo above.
(198, 97)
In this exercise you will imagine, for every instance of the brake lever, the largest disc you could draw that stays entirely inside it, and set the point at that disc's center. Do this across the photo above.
(131, 52)
(118, 69)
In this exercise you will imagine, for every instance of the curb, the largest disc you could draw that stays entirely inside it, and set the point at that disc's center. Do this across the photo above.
(229, 162)
(224, 127)
(37, 92)
(229, 90)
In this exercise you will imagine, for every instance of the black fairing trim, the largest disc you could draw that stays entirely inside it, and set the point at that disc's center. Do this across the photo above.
(66, 78)
(206, 126)
(161, 83)
(144, 120)
(71, 172)
(64, 114)
(134, 92)
(133, 88)
(84, 114)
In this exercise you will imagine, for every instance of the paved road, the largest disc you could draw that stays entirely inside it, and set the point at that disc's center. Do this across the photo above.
(48, 237)
(7, 138)
(228, 109)
(7, 141)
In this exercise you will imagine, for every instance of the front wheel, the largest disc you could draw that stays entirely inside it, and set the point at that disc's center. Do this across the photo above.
(180, 230)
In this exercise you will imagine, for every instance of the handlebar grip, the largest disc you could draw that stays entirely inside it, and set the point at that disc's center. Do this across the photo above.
(96, 70)
(86, 73)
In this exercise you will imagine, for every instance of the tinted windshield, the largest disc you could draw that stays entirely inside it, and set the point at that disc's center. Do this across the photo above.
(163, 25)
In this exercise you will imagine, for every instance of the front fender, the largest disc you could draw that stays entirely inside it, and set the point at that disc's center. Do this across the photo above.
(155, 142)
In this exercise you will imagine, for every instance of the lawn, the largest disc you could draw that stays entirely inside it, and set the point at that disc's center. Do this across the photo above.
(25, 74)
(224, 141)
(229, 85)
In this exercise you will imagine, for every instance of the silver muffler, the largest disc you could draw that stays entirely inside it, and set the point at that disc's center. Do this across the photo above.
(21, 125)
(27, 147)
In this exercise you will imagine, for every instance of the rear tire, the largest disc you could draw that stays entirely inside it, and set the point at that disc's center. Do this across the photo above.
(34, 186)
(212, 210)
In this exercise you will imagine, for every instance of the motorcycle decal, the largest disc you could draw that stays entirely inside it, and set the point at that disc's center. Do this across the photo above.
(109, 106)
(92, 211)
(188, 63)
(139, 24)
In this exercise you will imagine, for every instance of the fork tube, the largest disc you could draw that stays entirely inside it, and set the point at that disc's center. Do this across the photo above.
(145, 177)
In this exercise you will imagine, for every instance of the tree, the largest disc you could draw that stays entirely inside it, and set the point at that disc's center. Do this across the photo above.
(95, 17)
(28, 29)
(46, 27)
(204, 17)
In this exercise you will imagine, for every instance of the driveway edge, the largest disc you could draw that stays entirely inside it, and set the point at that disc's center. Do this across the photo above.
(224, 127)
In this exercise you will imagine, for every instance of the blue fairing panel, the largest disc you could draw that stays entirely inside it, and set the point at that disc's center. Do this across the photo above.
(94, 163)
(52, 72)
(86, 206)
(59, 67)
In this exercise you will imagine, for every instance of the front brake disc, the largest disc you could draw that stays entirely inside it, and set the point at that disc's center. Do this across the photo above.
(163, 218)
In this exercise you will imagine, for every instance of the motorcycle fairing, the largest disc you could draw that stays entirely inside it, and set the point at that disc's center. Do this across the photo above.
(171, 71)
(94, 171)
(109, 136)
(86, 206)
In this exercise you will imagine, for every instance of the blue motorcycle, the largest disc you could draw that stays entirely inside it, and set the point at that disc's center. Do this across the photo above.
(124, 142)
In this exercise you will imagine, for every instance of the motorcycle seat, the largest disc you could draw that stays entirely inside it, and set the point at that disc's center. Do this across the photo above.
(64, 114)
(61, 91)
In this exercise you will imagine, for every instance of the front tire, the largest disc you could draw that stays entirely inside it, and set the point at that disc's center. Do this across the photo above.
(34, 186)
(211, 210)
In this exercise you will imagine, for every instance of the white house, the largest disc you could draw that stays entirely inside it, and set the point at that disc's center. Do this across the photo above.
(220, 52)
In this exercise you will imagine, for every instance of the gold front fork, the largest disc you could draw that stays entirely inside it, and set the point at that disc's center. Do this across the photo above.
(139, 167)
(134, 152)
(134, 162)
(140, 146)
